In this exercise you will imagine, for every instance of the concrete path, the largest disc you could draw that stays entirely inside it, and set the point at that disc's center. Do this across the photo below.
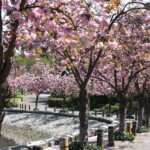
(141, 142)
(42, 102)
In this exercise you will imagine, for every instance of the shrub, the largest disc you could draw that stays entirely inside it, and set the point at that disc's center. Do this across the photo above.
(113, 107)
(92, 147)
(71, 103)
(126, 136)
(83, 146)
(143, 129)
(11, 102)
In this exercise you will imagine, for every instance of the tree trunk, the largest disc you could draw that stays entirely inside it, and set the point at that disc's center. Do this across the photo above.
(36, 102)
(122, 113)
(109, 109)
(84, 114)
(129, 109)
(147, 112)
(3, 92)
(140, 113)
(64, 102)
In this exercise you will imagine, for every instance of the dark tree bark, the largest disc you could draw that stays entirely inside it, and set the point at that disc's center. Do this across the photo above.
(84, 114)
(147, 112)
(140, 112)
(129, 109)
(36, 101)
(3, 91)
(64, 102)
(122, 113)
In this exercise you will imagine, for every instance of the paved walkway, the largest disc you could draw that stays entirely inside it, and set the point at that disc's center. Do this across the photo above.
(30, 100)
(141, 142)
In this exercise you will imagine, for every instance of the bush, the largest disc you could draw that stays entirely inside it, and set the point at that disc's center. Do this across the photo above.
(143, 129)
(11, 102)
(83, 146)
(55, 102)
(113, 107)
(126, 136)
(71, 103)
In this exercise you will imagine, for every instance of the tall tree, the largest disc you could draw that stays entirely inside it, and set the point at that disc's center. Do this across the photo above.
(126, 57)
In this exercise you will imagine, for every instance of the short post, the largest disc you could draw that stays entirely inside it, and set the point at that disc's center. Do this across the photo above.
(95, 112)
(100, 138)
(29, 107)
(134, 126)
(64, 144)
(45, 108)
(111, 136)
(54, 109)
(25, 107)
(73, 111)
(128, 127)
(22, 106)
(103, 113)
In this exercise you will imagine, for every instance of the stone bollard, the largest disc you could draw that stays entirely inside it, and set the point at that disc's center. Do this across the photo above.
(100, 138)
(63, 143)
(111, 136)
(134, 126)
(128, 129)
(73, 111)
(45, 108)
(95, 112)
(103, 113)
(54, 109)
(25, 107)
(29, 107)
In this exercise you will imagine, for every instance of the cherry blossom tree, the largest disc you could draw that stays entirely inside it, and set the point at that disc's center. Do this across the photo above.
(127, 56)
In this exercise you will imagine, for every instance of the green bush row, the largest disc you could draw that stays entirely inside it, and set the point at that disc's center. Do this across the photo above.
(73, 102)
(83, 146)
(125, 136)
(113, 107)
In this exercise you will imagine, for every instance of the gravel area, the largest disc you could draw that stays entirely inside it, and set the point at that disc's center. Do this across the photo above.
(24, 127)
